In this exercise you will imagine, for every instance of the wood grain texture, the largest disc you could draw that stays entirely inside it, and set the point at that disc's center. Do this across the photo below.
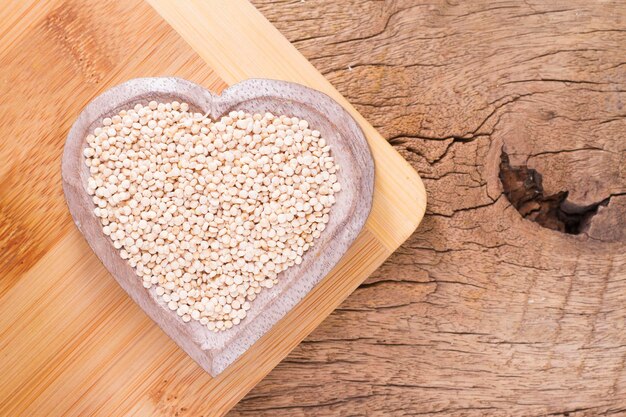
(216, 351)
(480, 312)
(71, 341)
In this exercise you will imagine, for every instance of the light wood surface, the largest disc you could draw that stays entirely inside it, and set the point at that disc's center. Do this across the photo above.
(71, 341)
(215, 351)
(482, 312)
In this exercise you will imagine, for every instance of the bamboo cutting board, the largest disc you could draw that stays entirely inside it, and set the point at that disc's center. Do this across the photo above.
(71, 341)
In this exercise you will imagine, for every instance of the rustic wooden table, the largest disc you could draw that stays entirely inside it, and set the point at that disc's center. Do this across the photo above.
(487, 309)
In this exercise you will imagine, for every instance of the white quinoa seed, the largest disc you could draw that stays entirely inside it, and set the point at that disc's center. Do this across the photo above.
(209, 213)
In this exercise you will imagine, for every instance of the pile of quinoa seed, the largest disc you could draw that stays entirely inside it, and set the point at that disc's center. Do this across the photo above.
(209, 212)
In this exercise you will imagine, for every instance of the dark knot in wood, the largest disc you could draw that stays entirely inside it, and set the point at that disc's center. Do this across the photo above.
(523, 187)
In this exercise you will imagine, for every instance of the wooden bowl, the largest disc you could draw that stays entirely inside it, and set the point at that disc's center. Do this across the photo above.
(215, 351)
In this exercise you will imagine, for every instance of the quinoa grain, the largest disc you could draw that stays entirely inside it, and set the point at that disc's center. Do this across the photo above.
(209, 213)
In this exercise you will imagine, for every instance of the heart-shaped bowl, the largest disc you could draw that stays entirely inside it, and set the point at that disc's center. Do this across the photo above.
(215, 351)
